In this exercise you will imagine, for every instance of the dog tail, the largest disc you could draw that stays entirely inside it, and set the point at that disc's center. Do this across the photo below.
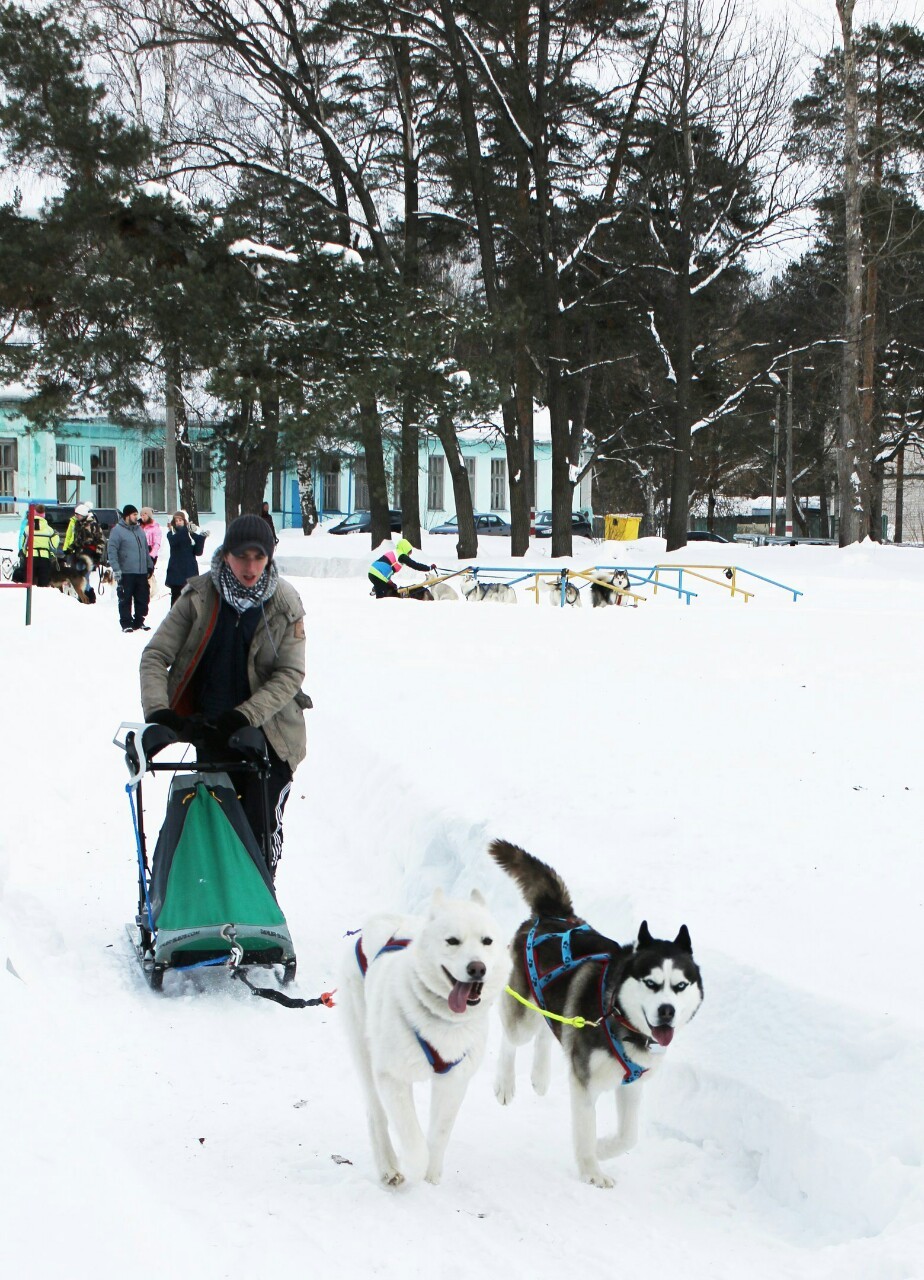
(542, 887)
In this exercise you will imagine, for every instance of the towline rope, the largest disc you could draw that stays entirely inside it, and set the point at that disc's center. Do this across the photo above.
(577, 1022)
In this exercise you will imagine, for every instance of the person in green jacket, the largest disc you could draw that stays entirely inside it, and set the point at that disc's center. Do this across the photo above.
(44, 548)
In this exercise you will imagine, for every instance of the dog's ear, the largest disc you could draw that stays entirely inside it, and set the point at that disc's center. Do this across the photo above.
(644, 937)
(477, 896)
(437, 901)
(683, 940)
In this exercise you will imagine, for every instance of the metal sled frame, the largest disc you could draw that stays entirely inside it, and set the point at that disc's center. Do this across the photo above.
(140, 743)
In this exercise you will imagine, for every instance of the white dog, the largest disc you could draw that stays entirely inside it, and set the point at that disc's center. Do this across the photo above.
(417, 993)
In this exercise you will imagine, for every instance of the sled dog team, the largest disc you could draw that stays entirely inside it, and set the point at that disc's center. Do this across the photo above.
(417, 993)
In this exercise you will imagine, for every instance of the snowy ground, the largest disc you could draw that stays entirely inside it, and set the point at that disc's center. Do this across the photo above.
(750, 769)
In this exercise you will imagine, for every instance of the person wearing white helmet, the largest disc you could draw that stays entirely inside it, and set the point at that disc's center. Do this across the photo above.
(84, 537)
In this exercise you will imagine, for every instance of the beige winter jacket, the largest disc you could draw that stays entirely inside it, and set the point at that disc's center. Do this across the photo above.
(275, 663)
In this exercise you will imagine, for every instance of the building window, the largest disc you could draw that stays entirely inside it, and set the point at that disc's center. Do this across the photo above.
(69, 472)
(330, 484)
(435, 482)
(361, 485)
(470, 472)
(276, 490)
(202, 479)
(498, 484)
(9, 462)
(103, 477)
(152, 479)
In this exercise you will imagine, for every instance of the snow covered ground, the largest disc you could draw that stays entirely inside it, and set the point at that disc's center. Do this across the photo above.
(752, 770)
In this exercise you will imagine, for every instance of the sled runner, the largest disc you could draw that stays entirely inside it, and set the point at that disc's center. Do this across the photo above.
(207, 895)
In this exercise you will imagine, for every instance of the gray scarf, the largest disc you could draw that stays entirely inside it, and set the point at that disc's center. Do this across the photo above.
(235, 593)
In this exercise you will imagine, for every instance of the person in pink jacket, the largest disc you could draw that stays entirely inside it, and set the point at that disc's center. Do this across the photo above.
(152, 531)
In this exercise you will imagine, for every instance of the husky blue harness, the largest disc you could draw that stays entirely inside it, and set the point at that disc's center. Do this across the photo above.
(539, 981)
(438, 1063)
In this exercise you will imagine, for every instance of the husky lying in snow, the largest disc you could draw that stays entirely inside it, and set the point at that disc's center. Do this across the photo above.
(639, 995)
(417, 992)
(435, 591)
(552, 589)
(490, 592)
(601, 588)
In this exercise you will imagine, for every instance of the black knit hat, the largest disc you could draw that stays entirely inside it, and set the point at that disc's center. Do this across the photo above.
(129, 510)
(249, 533)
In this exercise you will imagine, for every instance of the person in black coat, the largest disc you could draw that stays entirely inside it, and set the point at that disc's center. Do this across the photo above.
(185, 546)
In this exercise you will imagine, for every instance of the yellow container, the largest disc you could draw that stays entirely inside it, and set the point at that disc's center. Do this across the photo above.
(621, 528)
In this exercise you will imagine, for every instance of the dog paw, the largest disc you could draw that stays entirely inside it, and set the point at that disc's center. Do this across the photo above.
(434, 1176)
(505, 1091)
(392, 1177)
(540, 1081)
(597, 1178)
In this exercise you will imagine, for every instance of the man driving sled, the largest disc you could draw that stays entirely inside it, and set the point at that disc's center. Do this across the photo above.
(231, 653)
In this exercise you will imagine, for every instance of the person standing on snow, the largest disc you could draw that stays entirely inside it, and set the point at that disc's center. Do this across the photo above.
(184, 546)
(152, 531)
(83, 535)
(382, 570)
(131, 563)
(267, 515)
(44, 547)
(231, 653)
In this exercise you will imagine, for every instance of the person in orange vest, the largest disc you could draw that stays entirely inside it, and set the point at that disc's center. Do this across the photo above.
(382, 570)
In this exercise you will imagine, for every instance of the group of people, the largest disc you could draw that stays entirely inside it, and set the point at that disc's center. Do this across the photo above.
(83, 537)
(134, 548)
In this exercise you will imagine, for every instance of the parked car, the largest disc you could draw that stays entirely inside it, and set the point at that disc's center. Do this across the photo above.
(485, 523)
(361, 522)
(59, 517)
(703, 535)
(580, 525)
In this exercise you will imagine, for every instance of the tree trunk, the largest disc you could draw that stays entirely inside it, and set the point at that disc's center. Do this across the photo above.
(899, 531)
(467, 544)
(309, 508)
(370, 430)
(184, 453)
(681, 471)
(869, 337)
(410, 470)
(852, 459)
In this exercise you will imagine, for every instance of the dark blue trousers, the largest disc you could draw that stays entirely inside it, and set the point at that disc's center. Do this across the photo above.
(134, 597)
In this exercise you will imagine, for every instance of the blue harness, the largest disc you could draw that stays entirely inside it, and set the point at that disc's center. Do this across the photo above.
(439, 1064)
(539, 981)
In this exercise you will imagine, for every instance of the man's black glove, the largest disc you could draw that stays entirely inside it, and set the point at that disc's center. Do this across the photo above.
(169, 719)
(228, 723)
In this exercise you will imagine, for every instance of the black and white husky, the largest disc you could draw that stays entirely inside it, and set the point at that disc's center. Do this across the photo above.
(606, 588)
(632, 1000)
(487, 592)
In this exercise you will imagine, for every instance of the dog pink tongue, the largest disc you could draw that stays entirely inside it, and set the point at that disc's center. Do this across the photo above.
(458, 996)
(663, 1035)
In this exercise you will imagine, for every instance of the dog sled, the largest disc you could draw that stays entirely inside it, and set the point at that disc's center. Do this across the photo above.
(206, 897)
